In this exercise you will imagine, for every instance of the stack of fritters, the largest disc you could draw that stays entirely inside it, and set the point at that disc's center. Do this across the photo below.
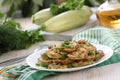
(69, 54)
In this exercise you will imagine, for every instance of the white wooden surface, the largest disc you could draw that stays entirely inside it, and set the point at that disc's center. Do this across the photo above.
(109, 72)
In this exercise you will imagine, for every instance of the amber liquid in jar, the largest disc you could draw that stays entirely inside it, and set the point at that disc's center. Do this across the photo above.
(109, 15)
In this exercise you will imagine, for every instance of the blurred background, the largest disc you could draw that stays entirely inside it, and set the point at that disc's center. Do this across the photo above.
(25, 8)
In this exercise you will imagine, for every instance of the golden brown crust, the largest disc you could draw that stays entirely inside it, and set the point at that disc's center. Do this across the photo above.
(70, 54)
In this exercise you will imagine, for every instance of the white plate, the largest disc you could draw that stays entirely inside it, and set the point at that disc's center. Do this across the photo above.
(31, 60)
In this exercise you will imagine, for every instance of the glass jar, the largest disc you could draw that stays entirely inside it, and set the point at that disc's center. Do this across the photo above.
(108, 14)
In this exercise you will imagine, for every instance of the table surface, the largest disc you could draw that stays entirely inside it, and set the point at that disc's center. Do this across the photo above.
(109, 72)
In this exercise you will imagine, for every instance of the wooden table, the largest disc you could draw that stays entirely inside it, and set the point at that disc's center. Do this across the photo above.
(109, 72)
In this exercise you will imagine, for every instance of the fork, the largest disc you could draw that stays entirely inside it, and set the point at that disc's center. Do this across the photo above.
(20, 59)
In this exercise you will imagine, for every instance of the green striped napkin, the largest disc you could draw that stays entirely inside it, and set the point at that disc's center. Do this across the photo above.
(109, 37)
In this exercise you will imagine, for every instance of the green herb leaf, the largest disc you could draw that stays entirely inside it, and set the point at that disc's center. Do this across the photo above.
(70, 65)
(64, 53)
(91, 52)
(1, 15)
(12, 37)
(68, 5)
(66, 42)
(41, 64)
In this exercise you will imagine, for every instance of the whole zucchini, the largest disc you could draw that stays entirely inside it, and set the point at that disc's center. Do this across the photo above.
(67, 20)
(41, 16)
